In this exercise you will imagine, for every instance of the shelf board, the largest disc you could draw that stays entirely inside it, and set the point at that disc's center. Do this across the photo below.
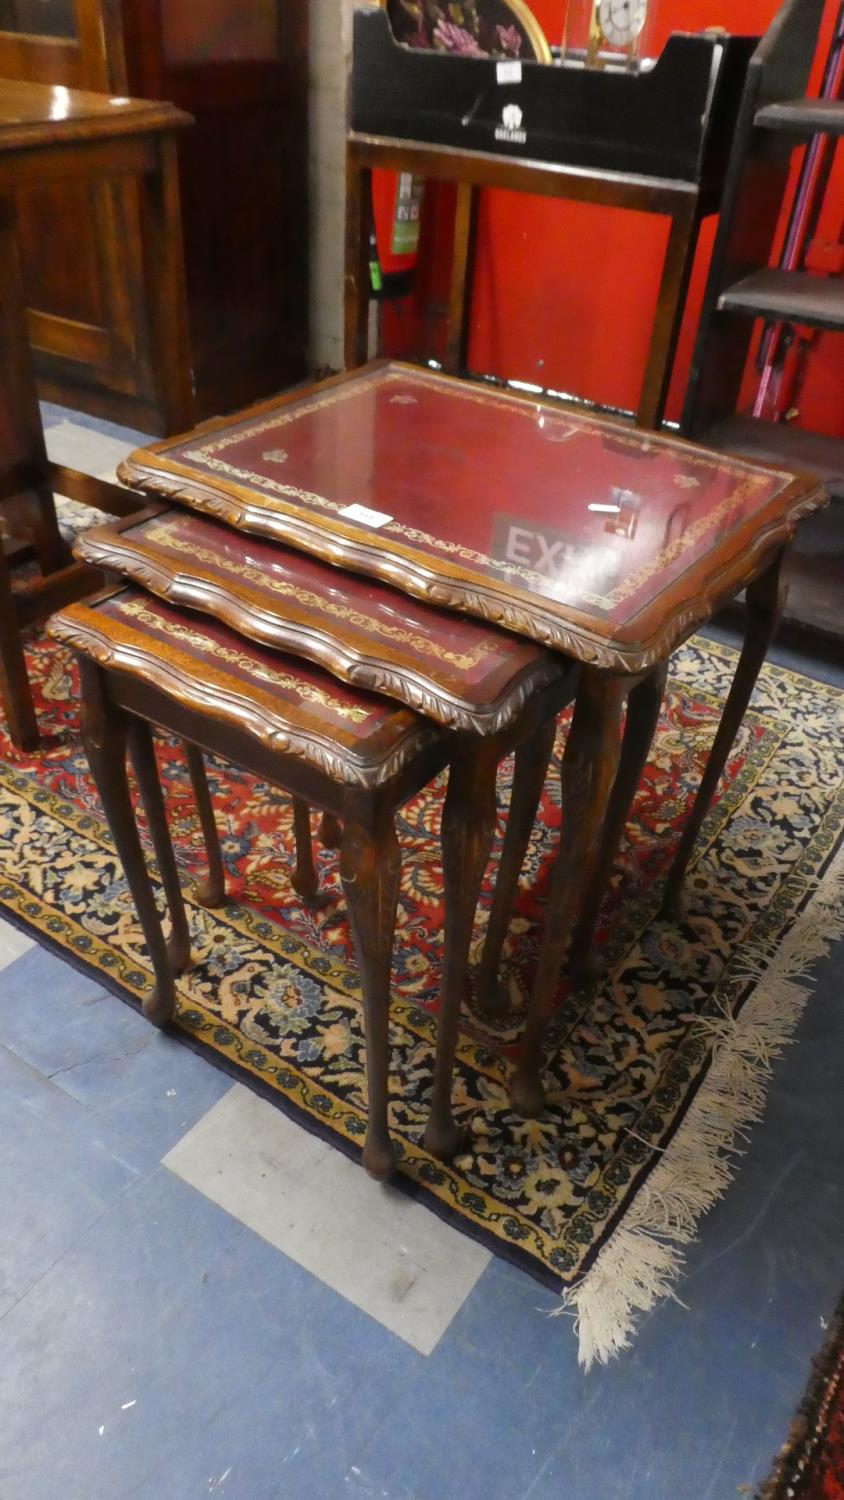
(785, 445)
(787, 296)
(815, 564)
(804, 117)
(815, 598)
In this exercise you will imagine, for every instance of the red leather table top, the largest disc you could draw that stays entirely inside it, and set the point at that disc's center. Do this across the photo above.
(603, 541)
(290, 705)
(459, 671)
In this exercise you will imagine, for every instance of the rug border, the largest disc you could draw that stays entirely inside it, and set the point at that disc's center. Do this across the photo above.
(658, 1148)
(637, 1286)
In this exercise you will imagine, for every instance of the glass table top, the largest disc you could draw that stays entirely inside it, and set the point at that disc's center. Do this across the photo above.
(431, 479)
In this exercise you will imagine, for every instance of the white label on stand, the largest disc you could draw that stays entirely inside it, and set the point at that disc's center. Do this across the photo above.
(508, 72)
(366, 516)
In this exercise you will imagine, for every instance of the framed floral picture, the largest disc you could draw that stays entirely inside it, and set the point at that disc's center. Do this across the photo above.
(470, 28)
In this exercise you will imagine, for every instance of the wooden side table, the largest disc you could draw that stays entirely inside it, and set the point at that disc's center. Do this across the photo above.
(51, 135)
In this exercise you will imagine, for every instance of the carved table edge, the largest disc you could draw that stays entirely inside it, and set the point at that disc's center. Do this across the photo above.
(410, 576)
(261, 624)
(214, 703)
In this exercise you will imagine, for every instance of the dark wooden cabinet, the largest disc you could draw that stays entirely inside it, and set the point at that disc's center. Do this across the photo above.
(240, 68)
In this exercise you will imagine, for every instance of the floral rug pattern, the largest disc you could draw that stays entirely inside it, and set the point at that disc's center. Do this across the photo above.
(273, 989)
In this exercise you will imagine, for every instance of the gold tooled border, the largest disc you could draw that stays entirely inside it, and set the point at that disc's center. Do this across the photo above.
(221, 696)
(748, 476)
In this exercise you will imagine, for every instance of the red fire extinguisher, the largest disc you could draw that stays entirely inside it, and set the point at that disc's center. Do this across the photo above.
(396, 211)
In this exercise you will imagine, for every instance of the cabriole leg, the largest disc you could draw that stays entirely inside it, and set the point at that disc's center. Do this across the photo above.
(468, 827)
(529, 774)
(142, 752)
(104, 735)
(643, 706)
(765, 597)
(330, 832)
(590, 761)
(212, 890)
(304, 880)
(370, 870)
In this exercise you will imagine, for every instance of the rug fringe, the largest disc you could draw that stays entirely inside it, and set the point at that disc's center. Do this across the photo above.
(644, 1257)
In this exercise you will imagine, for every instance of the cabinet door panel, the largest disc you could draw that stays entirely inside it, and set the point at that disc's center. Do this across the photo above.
(61, 283)
(43, 18)
(81, 246)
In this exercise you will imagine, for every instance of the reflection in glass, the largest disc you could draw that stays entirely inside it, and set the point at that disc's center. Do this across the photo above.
(38, 17)
(625, 521)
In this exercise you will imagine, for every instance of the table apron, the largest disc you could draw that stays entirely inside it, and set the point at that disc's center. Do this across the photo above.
(44, 166)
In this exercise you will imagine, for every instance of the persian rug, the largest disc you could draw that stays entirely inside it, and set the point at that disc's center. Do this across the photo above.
(653, 1074)
(811, 1464)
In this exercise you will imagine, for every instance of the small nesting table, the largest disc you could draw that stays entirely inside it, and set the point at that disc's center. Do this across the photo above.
(607, 545)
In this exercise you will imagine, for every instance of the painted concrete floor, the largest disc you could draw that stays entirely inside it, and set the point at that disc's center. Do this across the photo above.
(199, 1298)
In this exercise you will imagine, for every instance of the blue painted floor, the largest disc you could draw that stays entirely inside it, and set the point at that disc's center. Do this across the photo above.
(153, 1346)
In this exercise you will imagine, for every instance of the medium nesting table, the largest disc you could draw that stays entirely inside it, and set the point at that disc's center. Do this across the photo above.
(218, 681)
(607, 545)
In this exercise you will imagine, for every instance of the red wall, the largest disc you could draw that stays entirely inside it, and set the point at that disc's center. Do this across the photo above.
(564, 293)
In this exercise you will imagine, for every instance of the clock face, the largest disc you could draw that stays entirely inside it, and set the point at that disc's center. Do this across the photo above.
(622, 20)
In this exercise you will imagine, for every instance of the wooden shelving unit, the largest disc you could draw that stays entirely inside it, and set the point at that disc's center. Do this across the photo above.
(743, 288)
(792, 296)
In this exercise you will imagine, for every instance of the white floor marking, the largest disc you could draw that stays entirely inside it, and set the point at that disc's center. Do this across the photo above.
(12, 943)
(78, 447)
(383, 1252)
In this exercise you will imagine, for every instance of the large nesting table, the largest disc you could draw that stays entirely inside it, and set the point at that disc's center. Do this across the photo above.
(608, 545)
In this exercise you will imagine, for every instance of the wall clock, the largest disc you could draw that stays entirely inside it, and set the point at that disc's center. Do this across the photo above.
(605, 33)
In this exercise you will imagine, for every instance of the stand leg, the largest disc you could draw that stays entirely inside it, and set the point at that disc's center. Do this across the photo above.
(42, 525)
(14, 682)
(212, 890)
(462, 268)
(529, 775)
(104, 735)
(142, 752)
(28, 508)
(676, 271)
(643, 707)
(765, 597)
(589, 766)
(305, 881)
(28, 503)
(370, 870)
(357, 288)
(468, 827)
